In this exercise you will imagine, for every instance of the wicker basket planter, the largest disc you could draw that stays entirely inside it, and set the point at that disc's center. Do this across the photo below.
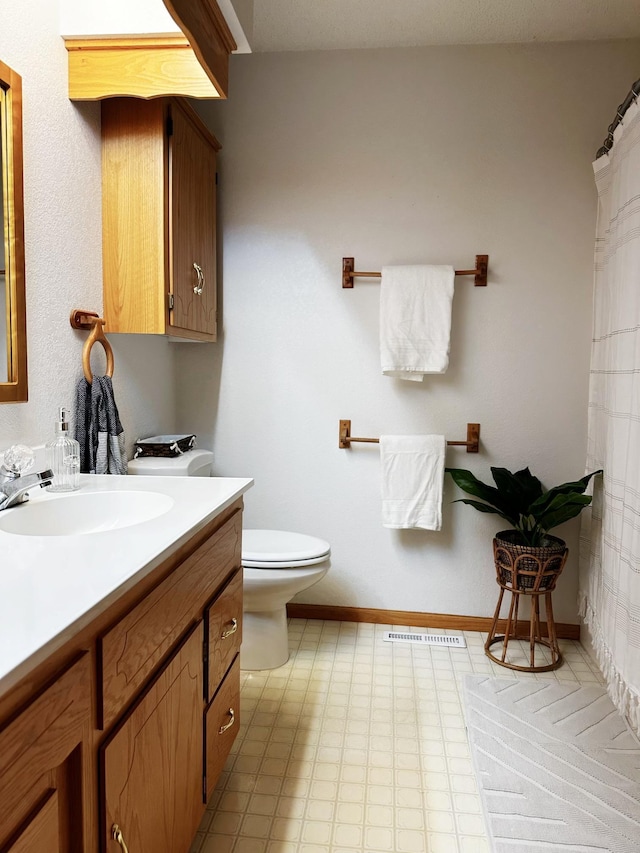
(530, 572)
(526, 568)
(526, 574)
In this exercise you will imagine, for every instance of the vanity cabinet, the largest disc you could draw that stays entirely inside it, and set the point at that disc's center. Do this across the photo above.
(44, 793)
(163, 758)
(158, 219)
(116, 742)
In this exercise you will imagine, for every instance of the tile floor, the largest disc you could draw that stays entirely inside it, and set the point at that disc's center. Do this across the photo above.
(358, 745)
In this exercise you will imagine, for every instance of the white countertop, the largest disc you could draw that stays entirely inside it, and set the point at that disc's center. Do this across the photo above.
(52, 586)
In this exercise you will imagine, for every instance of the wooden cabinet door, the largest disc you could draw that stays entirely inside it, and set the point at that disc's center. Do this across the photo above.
(134, 190)
(192, 225)
(153, 764)
(44, 782)
(42, 832)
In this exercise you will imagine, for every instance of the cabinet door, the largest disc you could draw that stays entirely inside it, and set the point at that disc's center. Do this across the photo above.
(152, 765)
(134, 190)
(192, 225)
(42, 832)
(44, 784)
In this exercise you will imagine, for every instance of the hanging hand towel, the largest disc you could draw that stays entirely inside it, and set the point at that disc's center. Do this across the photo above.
(412, 479)
(98, 428)
(415, 320)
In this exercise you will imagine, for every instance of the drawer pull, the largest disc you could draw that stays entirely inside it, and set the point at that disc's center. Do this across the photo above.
(228, 725)
(231, 630)
(116, 834)
(197, 288)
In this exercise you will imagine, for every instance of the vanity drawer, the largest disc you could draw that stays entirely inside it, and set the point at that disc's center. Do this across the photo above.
(134, 647)
(223, 620)
(221, 722)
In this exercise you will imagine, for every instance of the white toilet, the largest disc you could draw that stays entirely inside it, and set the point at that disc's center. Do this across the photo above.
(276, 566)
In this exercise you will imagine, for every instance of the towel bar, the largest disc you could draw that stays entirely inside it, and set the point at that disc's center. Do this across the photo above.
(480, 272)
(472, 443)
(89, 320)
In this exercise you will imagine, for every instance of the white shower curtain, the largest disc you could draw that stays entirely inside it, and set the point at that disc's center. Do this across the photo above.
(610, 540)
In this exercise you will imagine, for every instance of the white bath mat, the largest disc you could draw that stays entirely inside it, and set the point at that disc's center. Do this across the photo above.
(557, 767)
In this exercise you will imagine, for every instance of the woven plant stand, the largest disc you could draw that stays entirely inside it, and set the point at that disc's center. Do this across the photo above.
(532, 573)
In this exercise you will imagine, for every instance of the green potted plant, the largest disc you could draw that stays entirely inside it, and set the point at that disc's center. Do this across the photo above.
(526, 550)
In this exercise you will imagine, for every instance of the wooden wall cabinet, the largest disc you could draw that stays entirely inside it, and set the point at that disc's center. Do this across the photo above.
(117, 741)
(159, 219)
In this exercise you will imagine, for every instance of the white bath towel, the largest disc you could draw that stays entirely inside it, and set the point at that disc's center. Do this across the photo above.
(412, 478)
(415, 320)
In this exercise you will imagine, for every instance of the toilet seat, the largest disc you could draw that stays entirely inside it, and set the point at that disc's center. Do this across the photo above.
(280, 549)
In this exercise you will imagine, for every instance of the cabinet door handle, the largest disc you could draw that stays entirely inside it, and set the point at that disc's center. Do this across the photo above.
(198, 288)
(228, 725)
(116, 834)
(231, 630)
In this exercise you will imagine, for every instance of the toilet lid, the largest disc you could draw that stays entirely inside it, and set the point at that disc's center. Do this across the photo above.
(281, 548)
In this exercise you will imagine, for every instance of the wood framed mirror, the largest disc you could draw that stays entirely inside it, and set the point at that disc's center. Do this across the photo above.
(13, 319)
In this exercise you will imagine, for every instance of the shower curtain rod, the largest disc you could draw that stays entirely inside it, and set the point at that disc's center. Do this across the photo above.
(607, 145)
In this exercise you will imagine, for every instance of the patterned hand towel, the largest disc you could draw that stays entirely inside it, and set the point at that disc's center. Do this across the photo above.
(98, 428)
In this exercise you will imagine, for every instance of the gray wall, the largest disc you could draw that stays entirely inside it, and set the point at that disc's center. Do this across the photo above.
(63, 245)
(403, 156)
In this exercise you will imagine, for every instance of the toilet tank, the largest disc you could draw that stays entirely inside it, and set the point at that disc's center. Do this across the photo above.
(192, 463)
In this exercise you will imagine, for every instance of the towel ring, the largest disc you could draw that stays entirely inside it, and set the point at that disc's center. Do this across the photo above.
(89, 320)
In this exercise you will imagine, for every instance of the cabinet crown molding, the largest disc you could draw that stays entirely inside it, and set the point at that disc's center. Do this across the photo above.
(141, 67)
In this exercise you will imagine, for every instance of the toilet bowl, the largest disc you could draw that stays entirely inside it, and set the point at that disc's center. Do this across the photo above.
(276, 565)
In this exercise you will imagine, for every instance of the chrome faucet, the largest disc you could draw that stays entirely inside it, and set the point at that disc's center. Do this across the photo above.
(14, 484)
(14, 491)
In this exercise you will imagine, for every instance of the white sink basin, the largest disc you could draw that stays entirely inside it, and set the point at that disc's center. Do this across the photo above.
(78, 514)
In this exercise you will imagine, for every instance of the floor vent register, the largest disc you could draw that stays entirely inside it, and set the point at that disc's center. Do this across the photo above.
(425, 639)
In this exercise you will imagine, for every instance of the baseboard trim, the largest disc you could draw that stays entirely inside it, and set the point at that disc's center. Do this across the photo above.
(448, 621)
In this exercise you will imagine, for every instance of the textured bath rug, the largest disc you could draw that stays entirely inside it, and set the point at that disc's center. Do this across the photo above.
(557, 767)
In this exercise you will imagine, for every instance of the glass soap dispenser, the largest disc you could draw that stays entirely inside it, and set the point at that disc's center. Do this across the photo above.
(63, 457)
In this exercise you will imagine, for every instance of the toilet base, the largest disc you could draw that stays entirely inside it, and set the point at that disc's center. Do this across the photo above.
(265, 639)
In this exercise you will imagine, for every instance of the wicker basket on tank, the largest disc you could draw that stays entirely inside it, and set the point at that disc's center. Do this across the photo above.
(525, 567)
(167, 446)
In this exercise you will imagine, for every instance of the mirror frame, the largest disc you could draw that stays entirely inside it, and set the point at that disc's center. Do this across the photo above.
(15, 389)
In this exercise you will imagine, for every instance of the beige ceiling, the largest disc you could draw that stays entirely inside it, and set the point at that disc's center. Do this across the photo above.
(335, 24)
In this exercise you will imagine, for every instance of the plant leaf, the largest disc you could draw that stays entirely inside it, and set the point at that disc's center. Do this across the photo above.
(576, 487)
(520, 500)
(470, 484)
(483, 507)
(562, 508)
(520, 489)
